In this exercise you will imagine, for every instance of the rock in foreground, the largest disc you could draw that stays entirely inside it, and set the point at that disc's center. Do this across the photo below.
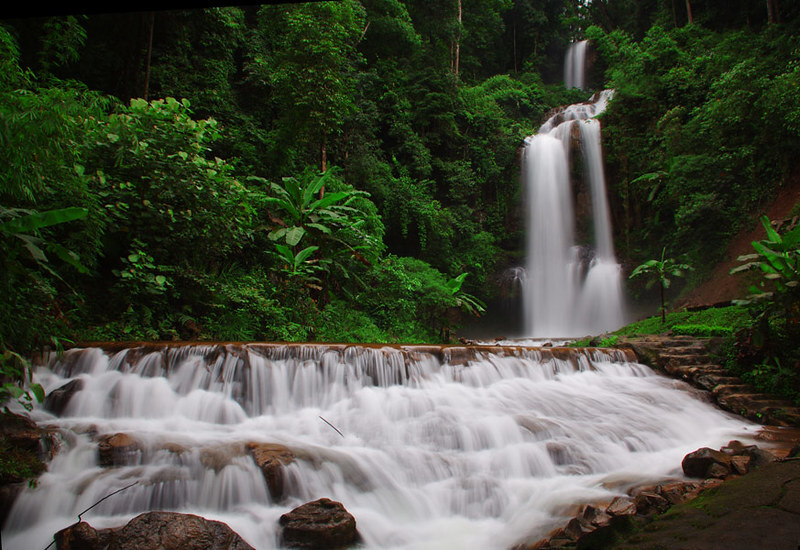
(154, 531)
(322, 524)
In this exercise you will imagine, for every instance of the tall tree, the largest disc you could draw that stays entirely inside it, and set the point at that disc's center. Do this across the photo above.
(310, 66)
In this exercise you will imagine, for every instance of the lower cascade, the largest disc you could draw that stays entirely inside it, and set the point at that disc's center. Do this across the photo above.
(427, 447)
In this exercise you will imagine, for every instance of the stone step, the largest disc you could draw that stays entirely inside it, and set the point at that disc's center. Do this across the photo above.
(762, 408)
(734, 389)
(667, 359)
(691, 372)
(709, 381)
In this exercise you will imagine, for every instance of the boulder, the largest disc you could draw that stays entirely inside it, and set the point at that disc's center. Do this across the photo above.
(322, 524)
(271, 458)
(154, 531)
(118, 450)
(706, 462)
(171, 530)
(57, 400)
(21, 433)
(81, 536)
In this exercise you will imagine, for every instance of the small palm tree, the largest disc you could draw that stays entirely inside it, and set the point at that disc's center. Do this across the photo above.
(660, 271)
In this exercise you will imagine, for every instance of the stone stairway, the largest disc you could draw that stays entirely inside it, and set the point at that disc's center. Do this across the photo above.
(689, 358)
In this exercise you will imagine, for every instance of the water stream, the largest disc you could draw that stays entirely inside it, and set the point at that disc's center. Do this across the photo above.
(441, 448)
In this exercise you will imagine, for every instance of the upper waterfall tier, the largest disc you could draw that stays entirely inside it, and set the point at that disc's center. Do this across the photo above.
(575, 65)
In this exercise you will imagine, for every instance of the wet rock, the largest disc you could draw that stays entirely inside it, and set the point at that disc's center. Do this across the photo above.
(678, 492)
(648, 503)
(57, 400)
(118, 450)
(322, 524)
(740, 464)
(163, 530)
(271, 458)
(21, 433)
(706, 462)
(154, 531)
(82, 536)
(577, 528)
(758, 457)
(621, 506)
(596, 517)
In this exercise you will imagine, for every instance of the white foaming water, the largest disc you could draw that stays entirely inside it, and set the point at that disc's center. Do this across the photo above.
(442, 449)
(566, 293)
(575, 65)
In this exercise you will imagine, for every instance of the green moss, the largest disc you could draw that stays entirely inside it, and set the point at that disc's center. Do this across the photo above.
(17, 464)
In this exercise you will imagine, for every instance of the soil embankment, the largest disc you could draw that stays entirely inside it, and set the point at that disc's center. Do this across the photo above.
(720, 286)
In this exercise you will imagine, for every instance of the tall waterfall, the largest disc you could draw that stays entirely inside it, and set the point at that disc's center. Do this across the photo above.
(441, 447)
(569, 290)
(575, 65)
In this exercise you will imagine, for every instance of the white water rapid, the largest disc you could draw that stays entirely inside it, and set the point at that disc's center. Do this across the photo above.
(446, 448)
(575, 65)
(569, 290)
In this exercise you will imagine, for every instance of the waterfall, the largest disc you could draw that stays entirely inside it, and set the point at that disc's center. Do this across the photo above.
(450, 447)
(575, 65)
(569, 291)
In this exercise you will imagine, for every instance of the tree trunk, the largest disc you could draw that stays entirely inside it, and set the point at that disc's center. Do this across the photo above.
(323, 161)
(458, 41)
(773, 15)
(674, 15)
(515, 45)
(689, 11)
(149, 54)
(663, 305)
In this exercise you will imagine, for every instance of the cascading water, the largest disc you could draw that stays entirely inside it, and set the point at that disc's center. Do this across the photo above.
(441, 448)
(566, 293)
(574, 65)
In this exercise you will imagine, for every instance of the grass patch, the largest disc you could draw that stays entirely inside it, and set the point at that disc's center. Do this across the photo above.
(718, 321)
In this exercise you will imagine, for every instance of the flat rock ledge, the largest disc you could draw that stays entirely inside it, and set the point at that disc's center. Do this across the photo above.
(690, 359)
(153, 531)
(598, 526)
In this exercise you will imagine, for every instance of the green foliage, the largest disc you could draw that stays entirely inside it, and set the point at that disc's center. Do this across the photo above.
(340, 322)
(778, 259)
(733, 318)
(408, 299)
(17, 381)
(702, 331)
(660, 271)
(701, 120)
(767, 353)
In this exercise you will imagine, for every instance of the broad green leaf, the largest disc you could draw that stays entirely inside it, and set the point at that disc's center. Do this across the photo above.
(294, 235)
(328, 200)
(772, 235)
(37, 220)
(38, 392)
(277, 234)
(322, 228)
(32, 244)
(303, 255)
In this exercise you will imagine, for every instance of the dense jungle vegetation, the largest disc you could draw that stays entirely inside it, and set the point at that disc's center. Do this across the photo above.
(349, 170)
